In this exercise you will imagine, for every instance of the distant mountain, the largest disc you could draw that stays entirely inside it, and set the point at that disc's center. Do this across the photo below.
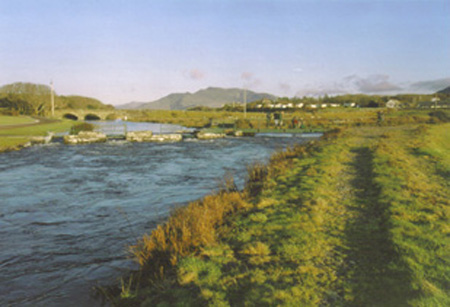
(130, 106)
(213, 97)
(444, 91)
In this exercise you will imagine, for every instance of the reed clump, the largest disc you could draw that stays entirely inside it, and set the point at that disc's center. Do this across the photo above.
(187, 229)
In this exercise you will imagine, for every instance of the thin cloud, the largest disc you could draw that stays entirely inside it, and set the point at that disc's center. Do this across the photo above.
(256, 83)
(247, 76)
(250, 80)
(195, 74)
(375, 84)
(319, 91)
(285, 87)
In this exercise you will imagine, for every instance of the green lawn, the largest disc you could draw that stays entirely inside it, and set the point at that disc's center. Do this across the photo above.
(14, 138)
(15, 120)
(38, 129)
(11, 143)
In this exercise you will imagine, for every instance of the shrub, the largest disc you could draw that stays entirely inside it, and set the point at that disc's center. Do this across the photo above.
(112, 116)
(440, 116)
(243, 124)
(81, 127)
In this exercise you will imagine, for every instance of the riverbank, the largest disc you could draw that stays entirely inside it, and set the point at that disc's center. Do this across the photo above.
(359, 218)
(63, 206)
(16, 132)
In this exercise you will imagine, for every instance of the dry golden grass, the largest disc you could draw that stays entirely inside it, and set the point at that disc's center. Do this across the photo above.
(187, 229)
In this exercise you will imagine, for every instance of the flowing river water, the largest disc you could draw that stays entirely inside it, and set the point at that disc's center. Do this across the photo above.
(68, 213)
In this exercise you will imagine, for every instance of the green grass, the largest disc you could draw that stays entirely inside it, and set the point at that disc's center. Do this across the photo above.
(37, 130)
(418, 196)
(14, 120)
(359, 219)
(436, 146)
(265, 130)
(317, 119)
(15, 138)
(12, 143)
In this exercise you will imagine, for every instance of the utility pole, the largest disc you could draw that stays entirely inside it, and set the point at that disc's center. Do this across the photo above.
(52, 98)
(245, 102)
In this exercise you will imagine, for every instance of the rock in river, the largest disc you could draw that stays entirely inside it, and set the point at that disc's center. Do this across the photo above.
(85, 137)
(139, 136)
(148, 136)
(209, 135)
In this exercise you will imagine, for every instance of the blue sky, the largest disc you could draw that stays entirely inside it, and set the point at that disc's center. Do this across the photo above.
(128, 50)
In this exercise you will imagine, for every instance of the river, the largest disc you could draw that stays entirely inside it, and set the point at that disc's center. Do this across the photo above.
(68, 213)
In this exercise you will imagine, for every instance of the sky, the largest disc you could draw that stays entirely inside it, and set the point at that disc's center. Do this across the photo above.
(120, 51)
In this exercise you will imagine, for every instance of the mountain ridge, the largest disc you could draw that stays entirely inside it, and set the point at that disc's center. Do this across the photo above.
(444, 91)
(213, 97)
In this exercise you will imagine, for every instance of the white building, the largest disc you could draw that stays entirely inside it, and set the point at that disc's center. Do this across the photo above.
(392, 103)
(435, 99)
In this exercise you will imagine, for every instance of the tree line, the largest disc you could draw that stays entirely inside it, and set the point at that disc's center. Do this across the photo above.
(34, 99)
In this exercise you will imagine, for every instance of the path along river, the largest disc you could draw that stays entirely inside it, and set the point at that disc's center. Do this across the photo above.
(68, 213)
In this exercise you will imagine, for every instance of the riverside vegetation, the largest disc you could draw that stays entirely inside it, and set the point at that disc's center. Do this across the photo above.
(315, 119)
(12, 138)
(360, 218)
(16, 131)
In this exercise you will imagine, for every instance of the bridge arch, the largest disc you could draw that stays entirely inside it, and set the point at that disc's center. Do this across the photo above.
(70, 116)
(92, 116)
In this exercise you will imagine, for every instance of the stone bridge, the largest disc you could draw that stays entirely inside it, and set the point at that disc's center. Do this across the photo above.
(82, 114)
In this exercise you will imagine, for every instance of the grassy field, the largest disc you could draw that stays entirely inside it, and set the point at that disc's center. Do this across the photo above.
(317, 119)
(360, 218)
(311, 119)
(15, 138)
(41, 129)
(15, 120)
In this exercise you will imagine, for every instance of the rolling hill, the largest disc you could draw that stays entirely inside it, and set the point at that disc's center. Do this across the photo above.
(30, 98)
(212, 97)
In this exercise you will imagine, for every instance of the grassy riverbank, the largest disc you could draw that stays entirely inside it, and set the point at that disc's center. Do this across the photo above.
(358, 219)
(312, 119)
(14, 120)
(16, 131)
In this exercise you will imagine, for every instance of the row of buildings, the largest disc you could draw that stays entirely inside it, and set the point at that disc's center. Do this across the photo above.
(435, 103)
(270, 105)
